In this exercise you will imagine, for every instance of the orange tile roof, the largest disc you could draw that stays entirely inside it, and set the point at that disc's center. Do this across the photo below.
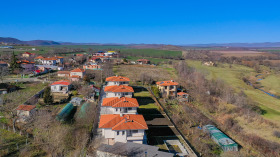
(116, 88)
(26, 107)
(2, 62)
(167, 83)
(126, 122)
(40, 57)
(117, 78)
(120, 102)
(58, 57)
(182, 93)
(78, 70)
(75, 76)
(50, 58)
(61, 82)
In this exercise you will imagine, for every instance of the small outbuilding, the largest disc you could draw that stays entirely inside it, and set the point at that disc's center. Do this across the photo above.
(76, 101)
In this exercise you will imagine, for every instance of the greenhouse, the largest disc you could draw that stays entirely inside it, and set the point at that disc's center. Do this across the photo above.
(220, 138)
(65, 112)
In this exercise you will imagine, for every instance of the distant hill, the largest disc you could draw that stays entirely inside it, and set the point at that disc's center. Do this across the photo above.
(251, 45)
(32, 42)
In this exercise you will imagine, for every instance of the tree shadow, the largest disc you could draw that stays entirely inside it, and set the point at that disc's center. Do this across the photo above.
(138, 89)
(144, 100)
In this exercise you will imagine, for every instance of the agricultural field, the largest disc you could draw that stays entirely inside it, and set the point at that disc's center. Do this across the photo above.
(157, 73)
(151, 53)
(232, 76)
(153, 60)
(242, 53)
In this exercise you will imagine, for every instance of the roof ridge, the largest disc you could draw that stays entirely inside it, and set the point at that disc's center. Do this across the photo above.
(119, 123)
(115, 116)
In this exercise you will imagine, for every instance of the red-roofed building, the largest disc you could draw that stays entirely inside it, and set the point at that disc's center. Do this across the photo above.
(63, 74)
(168, 88)
(27, 54)
(118, 91)
(116, 105)
(117, 80)
(3, 64)
(92, 67)
(183, 96)
(77, 72)
(123, 128)
(25, 111)
(95, 60)
(62, 86)
(143, 61)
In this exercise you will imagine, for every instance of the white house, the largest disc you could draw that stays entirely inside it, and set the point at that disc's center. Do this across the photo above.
(49, 61)
(24, 112)
(76, 74)
(123, 128)
(116, 105)
(118, 91)
(117, 80)
(62, 86)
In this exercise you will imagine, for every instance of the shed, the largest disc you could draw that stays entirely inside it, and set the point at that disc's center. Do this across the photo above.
(226, 143)
(76, 101)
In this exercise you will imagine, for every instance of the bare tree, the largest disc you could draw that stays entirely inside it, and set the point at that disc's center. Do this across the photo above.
(4, 71)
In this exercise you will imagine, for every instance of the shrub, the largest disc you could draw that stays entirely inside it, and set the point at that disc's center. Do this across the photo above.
(75, 92)
(276, 134)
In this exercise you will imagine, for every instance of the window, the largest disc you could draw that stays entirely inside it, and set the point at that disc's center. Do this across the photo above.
(118, 133)
(129, 108)
(116, 109)
(134, 131)
(123, 132)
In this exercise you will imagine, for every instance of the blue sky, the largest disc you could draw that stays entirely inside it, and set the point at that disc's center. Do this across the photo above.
(145, 21)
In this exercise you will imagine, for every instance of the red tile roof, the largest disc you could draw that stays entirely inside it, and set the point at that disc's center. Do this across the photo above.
(50, 58)
(2, 62)
(75, 76)
(116, 88)
(126, 122)
(182, 93)
(120, 102)
(40, 57)
(167, 83)
(26, 107)
(61, 82)
(117, 79)
(78, 70)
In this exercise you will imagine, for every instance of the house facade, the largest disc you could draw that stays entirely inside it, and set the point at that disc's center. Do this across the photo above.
(118, 91)
(168, 88)
(116, 105)
(27, 54)
(62, 86)
(123, 128)
(49, 61)
(63, 74)
(117, 80)
(92, 67)
(24, 112)
(77, 72)
(3, 64)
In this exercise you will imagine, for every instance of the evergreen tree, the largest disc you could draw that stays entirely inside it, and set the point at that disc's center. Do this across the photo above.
(14, 65)
(48, 99)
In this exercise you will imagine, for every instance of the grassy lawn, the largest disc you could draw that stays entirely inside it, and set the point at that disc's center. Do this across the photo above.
(232, 76)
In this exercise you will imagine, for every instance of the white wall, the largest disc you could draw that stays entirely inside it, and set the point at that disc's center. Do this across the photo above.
(111, 83)
(113, 94)
(121, 137)
(77, 73)
(56, 88)
(108, 133)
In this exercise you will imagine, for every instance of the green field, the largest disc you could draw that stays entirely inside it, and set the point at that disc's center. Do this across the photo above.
(153, 60)
(232, 76)
(151, 53)
(271, 83)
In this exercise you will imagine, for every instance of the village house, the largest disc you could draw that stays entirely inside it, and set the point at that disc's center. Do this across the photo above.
(77, 74)
(24, 112)
(3, 64)
(27, 65)
(123, 128)
(49, 61)
(168, 88)
(65, 74)
(59, 60)
(116, 105)
(39, 59)
(27, 54)
(184, 96)
(143, 61)
(117, 80)
(92, 67)
(62, 86)
(118, 91)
